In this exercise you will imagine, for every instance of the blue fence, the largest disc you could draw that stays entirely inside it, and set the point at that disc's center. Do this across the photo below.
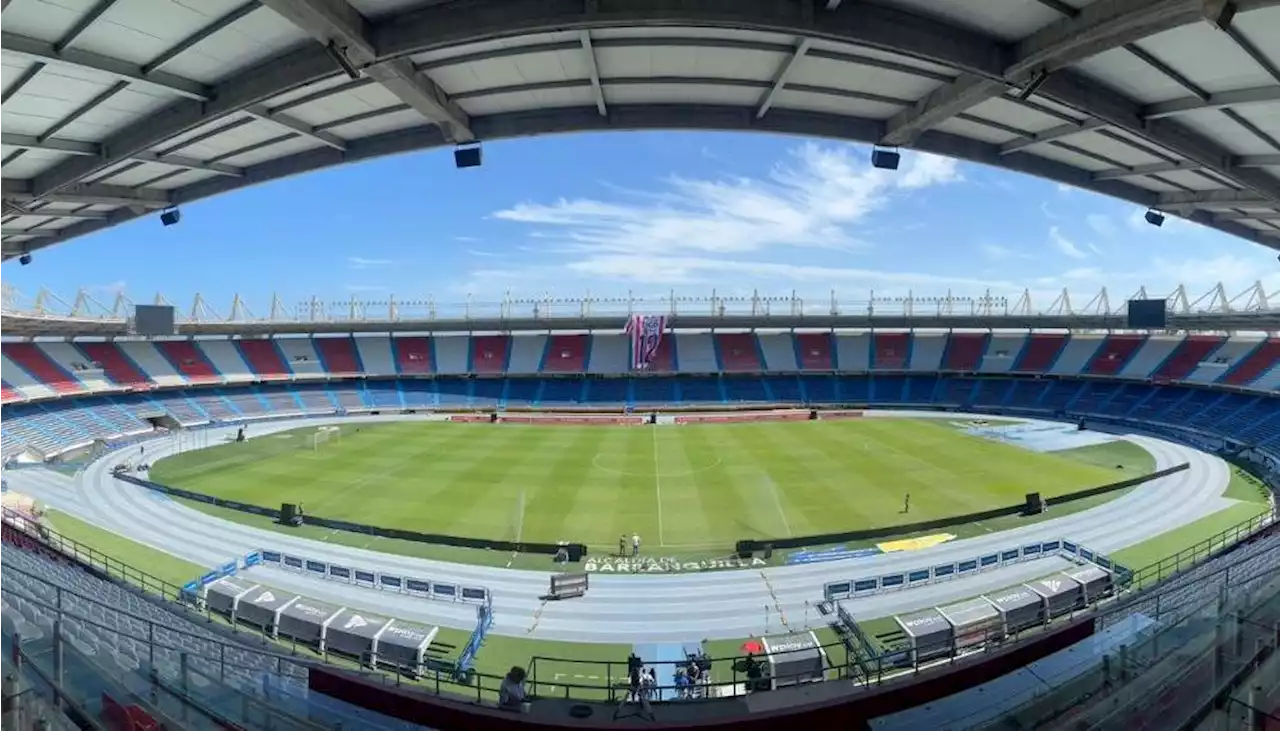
(372, 579)
(946, 571)
(484, 622)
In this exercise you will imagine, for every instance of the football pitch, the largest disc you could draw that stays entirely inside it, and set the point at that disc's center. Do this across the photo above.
(684, 488)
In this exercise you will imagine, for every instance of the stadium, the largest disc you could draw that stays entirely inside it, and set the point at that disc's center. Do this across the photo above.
(680, 512)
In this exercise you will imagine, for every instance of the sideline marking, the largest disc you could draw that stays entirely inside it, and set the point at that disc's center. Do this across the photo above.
(777, 500)
(657, 482)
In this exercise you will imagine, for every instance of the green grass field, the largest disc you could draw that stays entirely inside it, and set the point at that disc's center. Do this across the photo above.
(685, 489)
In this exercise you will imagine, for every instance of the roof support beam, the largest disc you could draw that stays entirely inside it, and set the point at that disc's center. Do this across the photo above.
(1237, 216)
(1239, 97)
(20, 191)
(939, 106)
(337, 23)
(121, 70)
(780, 80)
(83, 24)
(295, 125)
(38, 233)
(1205, 198)
(71, 147)
(1152, 169)
(9, 210)
(593, 70)
(1050, 135)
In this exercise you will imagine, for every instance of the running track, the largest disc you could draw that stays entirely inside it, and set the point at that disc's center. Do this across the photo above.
(623, 608)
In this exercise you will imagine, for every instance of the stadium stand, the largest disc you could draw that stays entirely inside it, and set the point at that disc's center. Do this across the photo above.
(965, 351)
(853, 352)
(1149, 357)
(566, 354)
(697, 353)
(188, 361)
(301, 356)
(451, 354)
(814, 351)
(525, 353)
(1040, 353)
(1228, 354)
(25, 385)
(665, 360)
(778, 352)
(224, 357)
(1190, 354)
(926, 351)
(1001, 353)
(7, 393)
(266, 360)
(738, 353)
(890, 351)
(1077, 354)
(42, 369)
(493, 354)
(338, 356)
(609, 354)
(118, 367)
(413, 356)
(70, 360)
(1262, 358)
(1113, 354)
(375, 354)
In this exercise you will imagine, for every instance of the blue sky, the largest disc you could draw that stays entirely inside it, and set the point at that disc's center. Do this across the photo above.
(647, 213)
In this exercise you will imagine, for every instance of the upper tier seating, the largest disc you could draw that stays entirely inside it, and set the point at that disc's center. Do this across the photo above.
(890, 351)
(188, 361)
(301, 356)
(226, 360)
(738, 353)
(814, 351)
(610, 354)
(413, 356)
(375, 355)
(566, 354)
(7, 393)
(1187, 357)
(1113, 354)
(265, 359)
(1039, 353)
(778, 351)
(926, 352)
(115, 364)
(1263, 358)
(696, 351)
(964, 351)
(42, 368)
(1002, 352)
(491, 353)
(338, 355)
(451, 354)
(66, 357)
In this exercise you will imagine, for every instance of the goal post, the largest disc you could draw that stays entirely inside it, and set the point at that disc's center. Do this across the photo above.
(324, 435)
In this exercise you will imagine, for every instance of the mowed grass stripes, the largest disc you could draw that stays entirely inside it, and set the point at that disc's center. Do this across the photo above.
(681, 487)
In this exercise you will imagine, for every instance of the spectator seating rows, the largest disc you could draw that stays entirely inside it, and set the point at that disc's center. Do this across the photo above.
(52, 426)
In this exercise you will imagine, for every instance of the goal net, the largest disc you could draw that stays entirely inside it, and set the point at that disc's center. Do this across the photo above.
(324, 435)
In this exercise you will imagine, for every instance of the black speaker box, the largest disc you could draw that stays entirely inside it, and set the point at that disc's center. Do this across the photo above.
(1035, 503)
(170, 217)
(467, 157)
(288, 512)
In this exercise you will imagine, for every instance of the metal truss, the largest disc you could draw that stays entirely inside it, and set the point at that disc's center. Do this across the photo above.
(84, 306)
(376, 52)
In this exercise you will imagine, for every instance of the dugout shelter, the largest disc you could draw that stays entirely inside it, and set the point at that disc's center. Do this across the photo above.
(1095, 582)
(404, 646)
(356, 633)
(1017, 608)
(224, 595)
(793, 659)
(973, 621)
(1059, 594)
(307, 621)
(929, 635)
(261, 607)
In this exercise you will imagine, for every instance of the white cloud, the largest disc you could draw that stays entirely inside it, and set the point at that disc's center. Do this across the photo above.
(1065, 189)
(1102, 224)
(811, 201)
(995, 252)
(359, 262)
(466, 239)
(482, 254)
(1065, 245)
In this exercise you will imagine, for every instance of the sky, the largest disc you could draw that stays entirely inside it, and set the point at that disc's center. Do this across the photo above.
(646, 215)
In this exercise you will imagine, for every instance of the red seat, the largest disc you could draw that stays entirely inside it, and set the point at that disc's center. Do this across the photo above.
(1039, 353)
(264, 359)
(889, 351)
(338, 355)
(566, 354)
(1248, 369)
(413, 355)
(738, 352)
(1113, 354)
(964, 351)
(188, 360)
(814, 352)
(1187, 357)
(116, 366)
(8, 394)
(42, 368)
(489, 353)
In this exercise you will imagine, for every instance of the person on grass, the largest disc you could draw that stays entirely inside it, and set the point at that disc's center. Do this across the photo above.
(635, 544)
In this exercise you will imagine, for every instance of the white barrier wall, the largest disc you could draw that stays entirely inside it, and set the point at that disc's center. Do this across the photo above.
(609, 354)
(152, 363)
(1076, 355)
(779, 352)
(1002, 353)
(697, 353)
(1221, 360)
(68, 357)
(451, 354)
(302, 357)
(375, 355)
(854, 352)
(1150, 355)
(526, 353)
(225, 357)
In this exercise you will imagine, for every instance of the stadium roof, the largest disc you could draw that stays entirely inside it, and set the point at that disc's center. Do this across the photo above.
(115, 109)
